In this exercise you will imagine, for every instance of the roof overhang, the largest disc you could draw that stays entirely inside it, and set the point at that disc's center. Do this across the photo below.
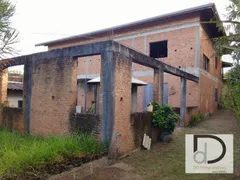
(134, 81)
(13, 85)
(207, 11)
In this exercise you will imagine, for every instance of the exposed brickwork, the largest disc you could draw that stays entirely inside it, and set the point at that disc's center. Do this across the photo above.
(88, 123)
(122, 137)
(207, 95)
(181, 53)
(141, 124)
(158, 85)
(138, 29)
(211, 79)
(3, 89)
(13, 119)
(53, 96)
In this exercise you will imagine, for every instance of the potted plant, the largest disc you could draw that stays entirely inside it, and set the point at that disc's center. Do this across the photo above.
(164, 118)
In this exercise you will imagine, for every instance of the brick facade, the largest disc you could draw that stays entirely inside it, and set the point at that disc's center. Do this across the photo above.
(53, 96)
(183, 46)
(3, 90)
(13, 119)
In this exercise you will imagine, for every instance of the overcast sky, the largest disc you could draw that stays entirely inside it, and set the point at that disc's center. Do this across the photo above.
(43, 20)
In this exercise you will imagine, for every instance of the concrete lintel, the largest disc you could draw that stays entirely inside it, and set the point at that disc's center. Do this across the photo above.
(74, 51)
(99, 48)
(183, 107)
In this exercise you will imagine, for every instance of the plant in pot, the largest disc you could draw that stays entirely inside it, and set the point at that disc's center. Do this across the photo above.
(164, 118)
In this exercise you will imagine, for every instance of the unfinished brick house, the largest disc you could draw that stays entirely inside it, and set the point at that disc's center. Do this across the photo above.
(174, 49)
(178, 39)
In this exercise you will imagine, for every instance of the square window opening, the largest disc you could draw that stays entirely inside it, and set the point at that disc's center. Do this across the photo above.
(20, 104)
(216, 62)
(206, 63)
(159, 49)
(216, 94)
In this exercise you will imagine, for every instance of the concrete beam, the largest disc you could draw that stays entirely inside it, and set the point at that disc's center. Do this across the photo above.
(151, 62)
(74, 51)
(158, 85)
(98, 48)
(183, 107)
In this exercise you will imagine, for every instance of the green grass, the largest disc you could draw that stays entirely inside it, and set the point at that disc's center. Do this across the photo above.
(22, 152)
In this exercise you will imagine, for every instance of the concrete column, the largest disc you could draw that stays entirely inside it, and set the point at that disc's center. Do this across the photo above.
(107, 100)
(116, 74)
(95, 98)
(27, 95)
(134, 99)
(183, 107)
(158, 85)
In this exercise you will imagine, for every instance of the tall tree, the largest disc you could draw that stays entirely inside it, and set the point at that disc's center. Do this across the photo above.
(231, 42)
(8, 34)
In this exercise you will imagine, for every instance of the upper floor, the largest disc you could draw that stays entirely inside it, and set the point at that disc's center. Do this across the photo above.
(179, 39)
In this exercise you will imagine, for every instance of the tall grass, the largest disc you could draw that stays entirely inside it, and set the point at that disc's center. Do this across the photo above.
(21, 152)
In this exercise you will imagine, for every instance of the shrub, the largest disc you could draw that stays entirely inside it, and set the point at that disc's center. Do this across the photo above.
(164, 117)
(195, 119)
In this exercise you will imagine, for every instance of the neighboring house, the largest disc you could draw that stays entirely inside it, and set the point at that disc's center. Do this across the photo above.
(178, 39)
(15, 94)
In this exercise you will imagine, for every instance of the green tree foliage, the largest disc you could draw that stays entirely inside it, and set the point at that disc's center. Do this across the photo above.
(231, 91)
(230, 43)
(8, 34)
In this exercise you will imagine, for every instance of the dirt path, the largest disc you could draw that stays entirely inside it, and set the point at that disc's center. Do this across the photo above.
(167, 161)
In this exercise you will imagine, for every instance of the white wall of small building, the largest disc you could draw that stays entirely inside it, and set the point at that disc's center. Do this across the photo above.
(13, 97)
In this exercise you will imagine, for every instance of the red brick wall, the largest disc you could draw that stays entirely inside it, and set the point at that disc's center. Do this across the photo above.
(3, 89)
(181, 53)
(207, 95)
(137, 29)
(211, 79)
(125, 142)
(13, 119)
(53, 96)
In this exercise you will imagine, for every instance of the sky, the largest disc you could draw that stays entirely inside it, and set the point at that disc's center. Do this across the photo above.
(44, 20)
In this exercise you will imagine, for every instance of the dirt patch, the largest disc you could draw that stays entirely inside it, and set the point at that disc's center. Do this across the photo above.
(55, 168)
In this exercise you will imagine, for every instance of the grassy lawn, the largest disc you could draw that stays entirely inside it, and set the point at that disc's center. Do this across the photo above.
(19, 153)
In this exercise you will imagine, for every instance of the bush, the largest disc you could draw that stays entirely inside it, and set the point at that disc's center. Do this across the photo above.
(195, 119)
(164, 117)
(19, 153)
(231, 91)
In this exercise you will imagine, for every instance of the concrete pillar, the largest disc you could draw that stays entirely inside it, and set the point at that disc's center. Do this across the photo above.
(158, 85)
(98, 98)
(27, 95)
(183, 107)
(116, 74)
(134, 99)
(107, 101)
(3, 90)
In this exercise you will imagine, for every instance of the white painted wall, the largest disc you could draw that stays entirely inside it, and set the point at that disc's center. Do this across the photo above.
(13, 97)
